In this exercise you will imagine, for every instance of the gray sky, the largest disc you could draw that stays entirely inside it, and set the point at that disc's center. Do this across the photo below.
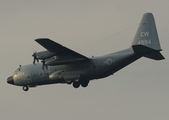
(137, 92)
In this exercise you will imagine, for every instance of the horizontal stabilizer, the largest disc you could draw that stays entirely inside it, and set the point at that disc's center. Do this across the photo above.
(155, 56)
(148, 52)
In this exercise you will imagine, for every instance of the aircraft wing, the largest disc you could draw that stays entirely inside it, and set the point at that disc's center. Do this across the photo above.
(57, 48)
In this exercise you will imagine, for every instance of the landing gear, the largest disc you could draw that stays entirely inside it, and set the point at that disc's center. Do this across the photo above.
(25, 88)
(83, 83)
(69, 82)
(76, 84)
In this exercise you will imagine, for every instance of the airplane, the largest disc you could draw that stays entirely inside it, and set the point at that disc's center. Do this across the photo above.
(63, 65)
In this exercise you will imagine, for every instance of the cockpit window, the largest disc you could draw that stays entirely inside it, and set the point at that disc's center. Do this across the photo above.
(17, 70)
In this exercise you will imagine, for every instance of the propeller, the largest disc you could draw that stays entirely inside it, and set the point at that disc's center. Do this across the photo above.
(35, 57)
(44, 65)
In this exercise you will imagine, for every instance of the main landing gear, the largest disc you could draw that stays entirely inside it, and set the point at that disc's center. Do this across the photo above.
(25, 88)
(77, 83)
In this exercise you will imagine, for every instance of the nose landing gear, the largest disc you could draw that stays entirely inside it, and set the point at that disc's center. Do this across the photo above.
(25, 88)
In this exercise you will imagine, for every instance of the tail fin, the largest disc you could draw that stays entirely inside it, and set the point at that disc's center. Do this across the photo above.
(146, 41)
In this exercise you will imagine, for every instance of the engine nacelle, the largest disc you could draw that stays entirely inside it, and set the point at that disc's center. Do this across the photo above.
(45, 55)
(61, 61)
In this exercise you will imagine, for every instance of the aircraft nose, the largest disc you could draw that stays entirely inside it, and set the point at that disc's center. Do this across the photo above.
(10, 80)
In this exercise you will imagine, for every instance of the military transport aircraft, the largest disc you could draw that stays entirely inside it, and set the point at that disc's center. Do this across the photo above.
(63, 65)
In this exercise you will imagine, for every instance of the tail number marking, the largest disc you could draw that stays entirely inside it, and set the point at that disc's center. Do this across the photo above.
(144, 42)
(144, 34)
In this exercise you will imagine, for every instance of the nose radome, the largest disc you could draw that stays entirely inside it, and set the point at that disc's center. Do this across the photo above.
(10, 80)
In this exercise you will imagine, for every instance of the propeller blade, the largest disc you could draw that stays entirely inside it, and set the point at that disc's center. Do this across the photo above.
(44, 65)
(35, 58)
(34, 61)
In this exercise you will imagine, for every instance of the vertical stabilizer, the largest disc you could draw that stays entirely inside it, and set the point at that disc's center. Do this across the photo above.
(146, 34)
(146, 41)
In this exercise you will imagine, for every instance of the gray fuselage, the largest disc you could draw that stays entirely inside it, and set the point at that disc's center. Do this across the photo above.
(94, 68)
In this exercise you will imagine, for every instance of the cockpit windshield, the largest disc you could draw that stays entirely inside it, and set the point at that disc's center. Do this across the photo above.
(17, 70)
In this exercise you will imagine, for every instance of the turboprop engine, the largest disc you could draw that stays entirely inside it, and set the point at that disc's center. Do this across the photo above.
(42, 55)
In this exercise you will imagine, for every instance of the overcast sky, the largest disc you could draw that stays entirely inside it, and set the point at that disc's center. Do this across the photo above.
(91, 27)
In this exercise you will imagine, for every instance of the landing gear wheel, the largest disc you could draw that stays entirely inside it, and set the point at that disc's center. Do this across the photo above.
(25, 88)
(76, 84)
(84, 84)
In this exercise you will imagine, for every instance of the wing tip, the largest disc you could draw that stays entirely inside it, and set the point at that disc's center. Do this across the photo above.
(41, 39)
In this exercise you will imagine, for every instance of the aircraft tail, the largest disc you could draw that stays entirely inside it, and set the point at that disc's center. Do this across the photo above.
(146, 41)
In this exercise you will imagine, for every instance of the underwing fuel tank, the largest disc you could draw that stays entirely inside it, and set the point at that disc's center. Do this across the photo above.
(64, 75)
